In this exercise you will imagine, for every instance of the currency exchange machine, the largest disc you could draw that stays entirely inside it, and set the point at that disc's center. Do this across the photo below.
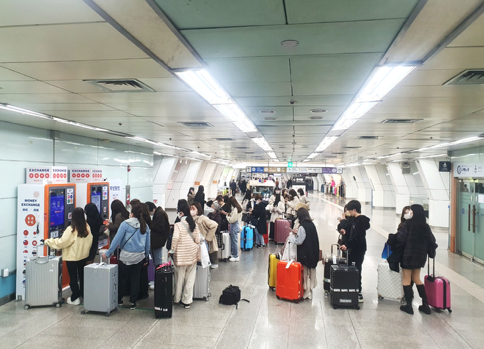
(44, 211)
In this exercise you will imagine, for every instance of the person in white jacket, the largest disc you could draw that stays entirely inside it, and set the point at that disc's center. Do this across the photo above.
(233, 218)
(276, 209)
(291, 204)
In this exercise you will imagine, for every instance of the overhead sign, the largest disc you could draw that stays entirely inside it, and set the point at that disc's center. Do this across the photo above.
(45, 175)
(289, 164)
(258, 169)
(462, 169)
(85, 175)
(444, 166)
(323, 170)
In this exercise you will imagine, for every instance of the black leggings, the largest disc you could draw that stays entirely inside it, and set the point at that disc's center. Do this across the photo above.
(129, 275)
(76, 276)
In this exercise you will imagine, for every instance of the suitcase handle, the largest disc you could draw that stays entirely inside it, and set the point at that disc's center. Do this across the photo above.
(43, 259)
(339, 251)
(428, 266)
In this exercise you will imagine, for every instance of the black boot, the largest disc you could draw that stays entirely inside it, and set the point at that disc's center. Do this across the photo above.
(425, 304)
(408, 297)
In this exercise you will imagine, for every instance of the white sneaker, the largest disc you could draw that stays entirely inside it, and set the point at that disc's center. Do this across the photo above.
(214, 266)
(76, 302)
(233, 259)
(152, 285)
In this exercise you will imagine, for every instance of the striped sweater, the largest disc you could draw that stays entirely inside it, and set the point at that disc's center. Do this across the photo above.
(186, 250)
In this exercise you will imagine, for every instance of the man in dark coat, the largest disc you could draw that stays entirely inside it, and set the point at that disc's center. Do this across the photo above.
(233, 187)
(259, 220)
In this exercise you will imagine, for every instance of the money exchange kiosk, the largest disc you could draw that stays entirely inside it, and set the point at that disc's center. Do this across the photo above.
(44, 211)
(96, 193)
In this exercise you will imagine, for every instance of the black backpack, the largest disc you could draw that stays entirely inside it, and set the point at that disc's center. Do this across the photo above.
(231, 296)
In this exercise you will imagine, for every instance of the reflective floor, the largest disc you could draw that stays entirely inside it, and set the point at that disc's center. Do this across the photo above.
(266, 322)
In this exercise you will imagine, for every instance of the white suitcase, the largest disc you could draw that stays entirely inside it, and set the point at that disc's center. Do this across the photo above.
(389, 283)
(43, 281)
(100, 288)
(224, 248)
(201, 289)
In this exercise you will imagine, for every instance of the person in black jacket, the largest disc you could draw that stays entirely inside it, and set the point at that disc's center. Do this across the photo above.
(418, 241)
(258, 220)
(95, 223)
(200, 196)
(233, 187)
(307, 242)
(356, 242)
(344, 225)
(217, 217)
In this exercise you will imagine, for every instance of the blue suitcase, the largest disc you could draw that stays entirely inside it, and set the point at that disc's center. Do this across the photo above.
(247, 239)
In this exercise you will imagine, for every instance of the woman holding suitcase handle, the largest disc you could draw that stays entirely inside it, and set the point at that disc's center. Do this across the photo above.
(417, 241)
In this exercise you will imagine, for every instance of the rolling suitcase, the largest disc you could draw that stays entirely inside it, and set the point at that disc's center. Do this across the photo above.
(223, 240)
(100, 288)
(328, 262)
(282, 228)
(247, 238)
(164, 291)
(43, 280)
(289, 281)
(345, 282)
(272, 271)
(437, 289)
(389, 283)
(201, 289)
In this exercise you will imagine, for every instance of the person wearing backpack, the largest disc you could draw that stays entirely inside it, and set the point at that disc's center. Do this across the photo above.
(133, 238)
(185, 246)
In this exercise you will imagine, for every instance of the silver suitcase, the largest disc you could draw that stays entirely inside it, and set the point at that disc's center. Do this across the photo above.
(43, 282)
(224, 251)
(100, 288)
(201, 289)
(389, 283)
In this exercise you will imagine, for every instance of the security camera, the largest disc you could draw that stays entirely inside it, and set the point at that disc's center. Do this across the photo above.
(120, 124)
(292, 102)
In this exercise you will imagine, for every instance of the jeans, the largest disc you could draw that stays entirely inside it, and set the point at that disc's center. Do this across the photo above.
(259, 239)
(234, 239)
(76, 276)
(157, 254)
(129, 275)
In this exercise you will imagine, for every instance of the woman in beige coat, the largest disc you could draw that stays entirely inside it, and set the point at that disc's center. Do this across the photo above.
(206, 226)
(185, 246)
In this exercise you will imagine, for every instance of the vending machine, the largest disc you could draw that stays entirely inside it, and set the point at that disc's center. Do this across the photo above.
(96, 193)
(44, 211)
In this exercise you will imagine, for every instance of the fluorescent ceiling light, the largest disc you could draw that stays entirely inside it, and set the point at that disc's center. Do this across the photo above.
(206, 86)
(24, 111)
(201, 154)
(382, 81)
(441, 145)
(313, 155)
(388, 156)
(326, 142)
(352, 114)
(233, 113)
(432, 156)
(272, 155)
(261, 142)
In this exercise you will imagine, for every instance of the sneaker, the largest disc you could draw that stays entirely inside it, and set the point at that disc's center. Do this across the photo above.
(187, 306)
(132, 306)
(360, 298)
(120, 304)
(152, 287)
(76, 302)
(234, 259)
(214, 266)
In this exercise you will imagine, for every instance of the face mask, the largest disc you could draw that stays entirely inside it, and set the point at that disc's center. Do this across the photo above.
(347, 214)
(407, 216)
(193, 213)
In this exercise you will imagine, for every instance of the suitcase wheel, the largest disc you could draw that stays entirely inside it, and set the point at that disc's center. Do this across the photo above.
(58, 305)
(357, 307)
(380, 298)
(108, 313)
(335, 306)
(450, 310)
(26, 307)
(278, 297)
(83, 312)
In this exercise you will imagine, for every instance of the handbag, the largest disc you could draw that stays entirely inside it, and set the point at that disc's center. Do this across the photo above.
(387, 251)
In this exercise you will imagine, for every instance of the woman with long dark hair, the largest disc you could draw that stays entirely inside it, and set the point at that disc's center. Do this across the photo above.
(191, 196)
(418, 241)
(119, 214)
(258, 220)
(200, 196)
(75, 244)
(291, 204)
(95, 222)
(160, 231)
(133, 239)
(185, 246)
(233, 217)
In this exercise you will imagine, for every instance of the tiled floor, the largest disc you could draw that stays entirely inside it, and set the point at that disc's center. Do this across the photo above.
(266, 322)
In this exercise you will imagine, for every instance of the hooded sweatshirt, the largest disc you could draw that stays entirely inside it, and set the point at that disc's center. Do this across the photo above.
(356, 242)
(134, 245)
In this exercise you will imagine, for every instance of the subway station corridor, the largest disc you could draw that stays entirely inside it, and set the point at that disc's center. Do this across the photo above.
(266, 322)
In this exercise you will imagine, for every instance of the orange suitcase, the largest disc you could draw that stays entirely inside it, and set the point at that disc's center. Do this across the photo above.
(289, 281)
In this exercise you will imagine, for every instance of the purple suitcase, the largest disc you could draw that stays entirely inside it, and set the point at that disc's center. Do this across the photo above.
(282, 227)
(437, 289)
(151, 271)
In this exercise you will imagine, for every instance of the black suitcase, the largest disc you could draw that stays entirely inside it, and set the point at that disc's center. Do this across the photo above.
(164, 292)
(328, 262)
(345, 282)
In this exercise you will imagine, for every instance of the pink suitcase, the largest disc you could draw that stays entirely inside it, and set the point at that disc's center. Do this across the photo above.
(437, 289)
(281, 230)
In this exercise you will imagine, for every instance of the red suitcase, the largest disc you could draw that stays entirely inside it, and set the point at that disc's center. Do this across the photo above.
(289, 281)
(266, 236)
(281, 230)
(437, 289)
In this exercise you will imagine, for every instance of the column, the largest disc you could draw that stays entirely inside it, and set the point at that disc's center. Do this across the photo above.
(162, 170)
(383, 194)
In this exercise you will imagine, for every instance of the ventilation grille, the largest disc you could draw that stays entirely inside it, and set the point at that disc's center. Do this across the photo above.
(400, 121)
(234, 147)
(355, 147)
(369, 137)
(267, 111)
(468, 77)
(339, 153)
(225, 139)
(196, 124)
(121, 85)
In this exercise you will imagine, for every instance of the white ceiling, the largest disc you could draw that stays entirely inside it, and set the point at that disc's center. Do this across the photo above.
(50, 47)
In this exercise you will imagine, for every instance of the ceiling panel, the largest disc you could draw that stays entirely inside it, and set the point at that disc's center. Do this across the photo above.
(222, 13)
(261, 89)
(82, 115)
(425, 77)
(472, 36)
(34, 12)
(309, 130)
(299, 101)
(333, 112)
(65, 43)
(47, 108)
(311, 11)
(458, 58)
(167, 109)
(105, 69)
(251, 70)
(475, 100)
(28, 87)
(147, 97)
(8, 75)
(18, 99)
(327, 38)
(281, 113)
(327, 87)
(452, 93)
